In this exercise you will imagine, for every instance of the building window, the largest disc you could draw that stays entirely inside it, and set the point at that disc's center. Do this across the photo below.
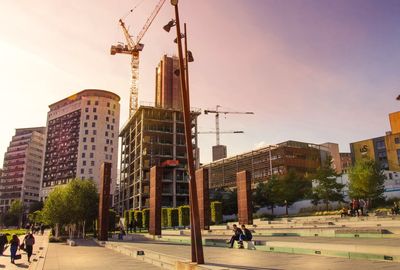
(96, 102)
(95, 117)
(107, 118)
(85, 147)
(84, 163)
(82, 171)
(85, 124)
(94, 124)
(92, 139)
(91, 155)
(114, 106)
(113, 120)
(112, 127)
(106, 156)
(88, 102)
(108, 104)
(94, 132)
(83, 155)
(84, 139)
(108, 126)
(92, 163)
(86, 132)
(107, 141)
(93, 147)
(109, 112)
(106, 134)
(112, 135)
(398, 155)
(86, 109)
(397, 140)
(87, 117)
(105, 148)
(90, 171)
(112, 150)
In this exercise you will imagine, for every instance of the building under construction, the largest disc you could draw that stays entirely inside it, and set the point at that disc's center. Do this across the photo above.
(265, 162)
(154, 137)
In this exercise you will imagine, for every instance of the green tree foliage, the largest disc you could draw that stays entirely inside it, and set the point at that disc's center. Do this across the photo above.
(326, 188)
(292, 188)
(73, 204)
(184, 215)
(36, 217)
(228, 198)
(126, 218)
(131, 216)
(216, 212)
(267, 194)
(366, 180)
(112, 222)
(35, 206)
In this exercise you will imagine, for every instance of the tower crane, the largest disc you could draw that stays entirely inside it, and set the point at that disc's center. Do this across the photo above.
(133, 48)
(217, 113)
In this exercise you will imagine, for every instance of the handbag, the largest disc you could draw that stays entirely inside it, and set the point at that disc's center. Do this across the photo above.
(17, 257)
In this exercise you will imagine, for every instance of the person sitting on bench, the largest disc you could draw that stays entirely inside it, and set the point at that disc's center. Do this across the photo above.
(236, 236)
(245, 236)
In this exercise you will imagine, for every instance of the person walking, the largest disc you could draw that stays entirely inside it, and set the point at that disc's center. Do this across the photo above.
(14, 245)
(29, 241)
(3, 242)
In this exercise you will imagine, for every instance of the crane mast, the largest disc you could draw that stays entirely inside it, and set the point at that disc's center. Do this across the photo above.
(133, 48)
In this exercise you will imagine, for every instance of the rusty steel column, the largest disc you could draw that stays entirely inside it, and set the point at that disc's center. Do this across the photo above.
(245, 208)
(196, 241)
(203, 198)
(156, 174)
(104, 201)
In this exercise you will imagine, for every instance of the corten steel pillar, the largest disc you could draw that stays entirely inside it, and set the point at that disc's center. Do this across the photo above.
(104, 201)
(203, 198)
(196, 241)
(245, 208)
(156, 174)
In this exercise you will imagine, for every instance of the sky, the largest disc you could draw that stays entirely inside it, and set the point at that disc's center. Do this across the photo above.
(310, 70)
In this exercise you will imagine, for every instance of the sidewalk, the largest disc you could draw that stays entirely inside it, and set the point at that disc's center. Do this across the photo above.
(87, 255)
(38, 248)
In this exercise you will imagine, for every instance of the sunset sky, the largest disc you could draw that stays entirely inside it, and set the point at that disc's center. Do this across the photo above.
(311, 70)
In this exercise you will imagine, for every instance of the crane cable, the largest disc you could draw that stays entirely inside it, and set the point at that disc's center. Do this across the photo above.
(131, 10)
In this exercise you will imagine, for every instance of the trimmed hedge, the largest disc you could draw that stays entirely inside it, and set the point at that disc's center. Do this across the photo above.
(164, 217)
(216, 212)
(146, 218)
(126, 217)
(131, 216)
(184, 215)
(173, 217)
(139, 218)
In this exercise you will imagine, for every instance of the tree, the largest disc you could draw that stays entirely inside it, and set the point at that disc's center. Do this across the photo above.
(267, 194)
(292, 188)
(366, 180)
(326, 188)
(34, 206)
(55, 211)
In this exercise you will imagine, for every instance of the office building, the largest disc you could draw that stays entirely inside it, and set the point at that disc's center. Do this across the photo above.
(82, 133)
(22, 167)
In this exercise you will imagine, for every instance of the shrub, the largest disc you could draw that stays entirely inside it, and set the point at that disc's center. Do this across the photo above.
(173, 217)
(131, 216)
(164, 217)
(184, 215)
(216, 212)
(126, 217)
(146, 218)
(139, 218)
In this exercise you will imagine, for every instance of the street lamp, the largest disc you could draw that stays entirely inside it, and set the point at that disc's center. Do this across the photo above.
(195, 232)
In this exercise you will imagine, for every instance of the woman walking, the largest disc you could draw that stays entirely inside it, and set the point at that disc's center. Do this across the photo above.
(29, 242)
(14, 245)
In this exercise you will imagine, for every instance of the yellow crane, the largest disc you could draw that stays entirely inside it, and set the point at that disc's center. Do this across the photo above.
(133, 48)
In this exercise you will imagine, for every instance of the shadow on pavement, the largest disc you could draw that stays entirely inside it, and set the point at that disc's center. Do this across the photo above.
(243, 267)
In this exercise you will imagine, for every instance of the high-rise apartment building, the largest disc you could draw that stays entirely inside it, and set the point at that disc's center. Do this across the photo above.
(168, 89)
(22, 167)
(154, 136)
(82, 133)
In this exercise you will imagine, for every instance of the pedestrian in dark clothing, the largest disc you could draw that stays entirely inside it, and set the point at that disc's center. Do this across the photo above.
(14, 245)
(236, 235)
(134, 225)
(29, 241)
(245, 236)
(130, 226)
(3, 242)
(41, 229)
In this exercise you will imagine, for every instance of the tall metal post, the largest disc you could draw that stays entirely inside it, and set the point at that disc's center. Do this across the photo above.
(196, 241)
